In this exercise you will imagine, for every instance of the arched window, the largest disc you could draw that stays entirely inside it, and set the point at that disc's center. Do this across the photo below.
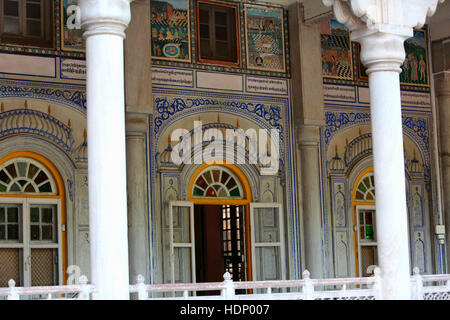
(31, 221)
(25, 175)
(217, 182)
(366, 188)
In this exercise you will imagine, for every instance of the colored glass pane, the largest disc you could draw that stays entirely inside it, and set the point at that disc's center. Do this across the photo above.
(35, 233)
(216, 175)
(2, 215)
(47, 215)
(372, 179)
(41, 177)
(210, 192)
(198, 192)
(22, 168)
(362, 188)
(2, 188)
(359, 195)
(46, 187)
(368, 218)
(34, 214)
(369, 232)
(15, 187)
(361, 233)
(2, 232)
(201, 183)
(369, 196)
(225, 177)
(47, 232)
(207, 176)
(4, 177)
(13, 215)
(22, 182)
(13, 232)
(32, 170)
(235, 192)
(12, 170)
(30, 188)
(231, 183)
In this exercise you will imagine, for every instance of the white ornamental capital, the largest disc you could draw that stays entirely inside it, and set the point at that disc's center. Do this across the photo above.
(381, 27)
(105, 17)
(372, 13)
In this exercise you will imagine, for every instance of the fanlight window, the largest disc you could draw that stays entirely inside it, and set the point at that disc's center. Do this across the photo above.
(366, 188)
(23, 175)
(217, 182)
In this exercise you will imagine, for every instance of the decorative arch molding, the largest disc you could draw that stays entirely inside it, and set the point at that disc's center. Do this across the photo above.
(413, 127)
(168, 111)
(73, 96)
(36, 123)
(239, 151)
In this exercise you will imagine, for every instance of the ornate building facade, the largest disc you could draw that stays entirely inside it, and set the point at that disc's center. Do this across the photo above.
(290, 67)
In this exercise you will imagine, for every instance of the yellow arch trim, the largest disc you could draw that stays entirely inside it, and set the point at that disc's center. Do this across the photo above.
(60, 194)
(238, 172)
(358, 203)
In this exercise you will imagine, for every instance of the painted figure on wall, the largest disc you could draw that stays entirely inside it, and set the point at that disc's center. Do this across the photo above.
(71, 39)
(336, 50)
(414, 68)
(170, 30)
(265, 38)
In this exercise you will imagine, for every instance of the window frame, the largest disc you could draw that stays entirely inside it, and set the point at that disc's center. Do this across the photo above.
(26, 244)
(47, 37)
(237, 63)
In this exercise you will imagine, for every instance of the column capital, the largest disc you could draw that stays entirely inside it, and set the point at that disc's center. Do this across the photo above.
(105, 17)
(381, 27)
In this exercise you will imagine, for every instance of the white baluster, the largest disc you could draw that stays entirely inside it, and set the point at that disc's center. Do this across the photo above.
(185, 294)
(377, 284)
(142, 292)
(49, 296)
(228, 291)
(417, 289)
(269, 291)
(85, 290)
(13, 295)
(308, 289)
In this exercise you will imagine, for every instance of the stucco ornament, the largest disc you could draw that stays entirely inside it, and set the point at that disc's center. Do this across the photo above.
(405, 13)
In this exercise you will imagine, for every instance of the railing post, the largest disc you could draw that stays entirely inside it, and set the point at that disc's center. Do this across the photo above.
(142, 293)
(417, 289)
(13, 295)
(378, 293)
(228, 291)
(308, 289)
(85, 290)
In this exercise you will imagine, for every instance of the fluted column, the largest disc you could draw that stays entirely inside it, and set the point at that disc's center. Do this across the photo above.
(381, 27)
(104, 22)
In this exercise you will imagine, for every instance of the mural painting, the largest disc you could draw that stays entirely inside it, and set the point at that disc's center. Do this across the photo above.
(414, 68)
(71, 39)
(170, 30)
(265, 34)
(336, 50)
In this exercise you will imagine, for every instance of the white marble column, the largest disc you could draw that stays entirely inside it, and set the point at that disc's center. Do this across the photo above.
(104, 22)
(381, 27)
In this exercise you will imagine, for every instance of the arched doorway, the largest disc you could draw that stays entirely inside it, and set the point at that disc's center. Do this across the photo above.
(221, 195)
(219, 229)
(32, 221)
